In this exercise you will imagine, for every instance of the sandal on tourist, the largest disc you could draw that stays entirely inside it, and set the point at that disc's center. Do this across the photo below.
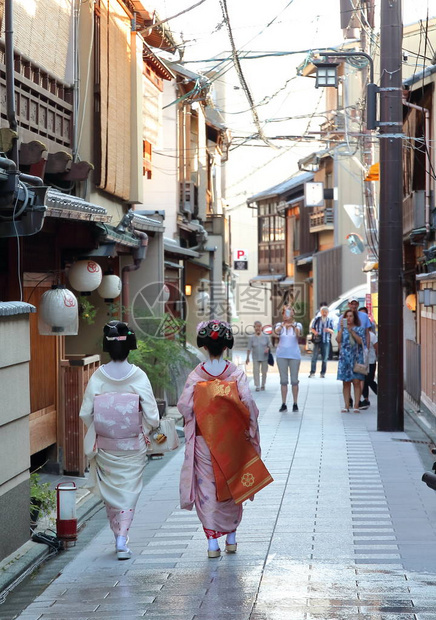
(123, 551)
(231, 548)
(345, 410)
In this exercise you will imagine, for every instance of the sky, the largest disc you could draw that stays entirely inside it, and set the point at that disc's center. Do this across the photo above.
(259, 27)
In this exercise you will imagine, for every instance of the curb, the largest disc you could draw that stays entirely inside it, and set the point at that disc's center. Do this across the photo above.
(25, 559)
(422, 418)
(29, 556)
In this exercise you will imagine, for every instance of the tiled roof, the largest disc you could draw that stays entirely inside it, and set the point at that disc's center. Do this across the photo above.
(12, 308)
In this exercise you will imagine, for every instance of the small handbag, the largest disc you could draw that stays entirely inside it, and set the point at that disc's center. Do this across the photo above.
(362, 368)
(316, 338)
(270, 358)
(164, 438)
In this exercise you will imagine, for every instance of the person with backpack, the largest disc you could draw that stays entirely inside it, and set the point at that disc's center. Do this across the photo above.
(322, 330)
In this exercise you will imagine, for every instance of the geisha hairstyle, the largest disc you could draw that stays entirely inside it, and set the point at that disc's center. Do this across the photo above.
(118, 340)
(215, 336)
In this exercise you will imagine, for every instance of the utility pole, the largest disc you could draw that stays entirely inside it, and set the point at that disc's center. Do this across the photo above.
(390, 416)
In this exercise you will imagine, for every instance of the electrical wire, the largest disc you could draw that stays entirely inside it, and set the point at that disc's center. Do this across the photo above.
(238, 68)
(85, 95)
(167, 19)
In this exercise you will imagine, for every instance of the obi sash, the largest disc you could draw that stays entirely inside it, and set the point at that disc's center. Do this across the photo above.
(224, 423)
(117, 421)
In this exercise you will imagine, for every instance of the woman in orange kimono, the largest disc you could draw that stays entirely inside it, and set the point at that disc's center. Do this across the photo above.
(222, 465)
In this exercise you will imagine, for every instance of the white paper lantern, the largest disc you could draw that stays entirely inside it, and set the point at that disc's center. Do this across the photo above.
(165, 293)
(110, 287)
(58, 313)
(85, 276)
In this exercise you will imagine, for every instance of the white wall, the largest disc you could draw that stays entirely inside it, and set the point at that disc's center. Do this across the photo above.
(161, 191)
(252, 305)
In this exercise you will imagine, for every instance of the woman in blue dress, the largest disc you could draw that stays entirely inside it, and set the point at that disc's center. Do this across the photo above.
(350, 339)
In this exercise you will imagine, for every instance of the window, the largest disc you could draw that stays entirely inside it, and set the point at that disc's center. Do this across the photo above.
(264, 228)
(296, 235)
(147, 151)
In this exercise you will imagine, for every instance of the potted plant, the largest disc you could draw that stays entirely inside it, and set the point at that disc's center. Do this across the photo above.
(159, 358)
(42, 499)
(87, 310)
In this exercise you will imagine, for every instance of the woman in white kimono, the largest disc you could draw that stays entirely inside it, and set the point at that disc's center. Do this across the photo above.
(119, 411)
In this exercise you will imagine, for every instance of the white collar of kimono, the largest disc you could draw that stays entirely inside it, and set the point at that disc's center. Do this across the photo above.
(118, 371)
(215, 367)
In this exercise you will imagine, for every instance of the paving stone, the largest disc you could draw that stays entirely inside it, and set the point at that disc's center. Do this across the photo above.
(345, 533)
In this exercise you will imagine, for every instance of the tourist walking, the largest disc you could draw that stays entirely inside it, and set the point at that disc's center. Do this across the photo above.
(322, 330)
(351, 338)
(259, 345)
(370, 381)
(288, 355)
(119, 411)
(222, 466)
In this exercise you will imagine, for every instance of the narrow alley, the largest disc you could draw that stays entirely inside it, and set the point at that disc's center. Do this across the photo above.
(346, 531)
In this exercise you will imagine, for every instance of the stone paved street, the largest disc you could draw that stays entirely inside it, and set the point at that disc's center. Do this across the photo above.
(346, 531)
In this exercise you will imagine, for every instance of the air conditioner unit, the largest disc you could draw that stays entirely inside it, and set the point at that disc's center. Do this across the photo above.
(187, 193)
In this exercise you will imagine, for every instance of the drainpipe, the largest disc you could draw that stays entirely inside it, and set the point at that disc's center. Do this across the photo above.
(10, 78)
(426, 113)
(138, 256)
(75, 38)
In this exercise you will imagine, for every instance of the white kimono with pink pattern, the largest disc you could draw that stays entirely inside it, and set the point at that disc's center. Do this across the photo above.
(197, 482)
(116, 475)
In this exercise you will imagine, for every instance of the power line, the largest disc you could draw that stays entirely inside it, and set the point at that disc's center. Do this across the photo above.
(238, 68)
(167, 19)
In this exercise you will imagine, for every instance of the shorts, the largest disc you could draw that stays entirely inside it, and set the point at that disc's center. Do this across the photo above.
(294, 366)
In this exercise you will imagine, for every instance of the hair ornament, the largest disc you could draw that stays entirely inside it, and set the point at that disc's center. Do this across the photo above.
(214, 330)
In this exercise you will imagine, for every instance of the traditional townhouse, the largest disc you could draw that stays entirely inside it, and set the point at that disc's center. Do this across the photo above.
(185, 183)
(419, 238)
(71, 170)
(285, 247)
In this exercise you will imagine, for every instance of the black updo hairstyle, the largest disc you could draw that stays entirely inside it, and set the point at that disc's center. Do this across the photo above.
(215, 336)
(118, 340)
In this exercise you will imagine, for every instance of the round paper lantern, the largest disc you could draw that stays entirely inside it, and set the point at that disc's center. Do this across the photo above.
(85, 276)
(58, 312)
(110, 287)
(411, 302)
(165, 293)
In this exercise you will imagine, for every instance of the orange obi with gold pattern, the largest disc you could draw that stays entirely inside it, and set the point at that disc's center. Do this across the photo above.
(224, 423)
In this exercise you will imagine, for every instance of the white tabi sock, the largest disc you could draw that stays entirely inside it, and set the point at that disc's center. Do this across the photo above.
(231, 538)
(212, 544)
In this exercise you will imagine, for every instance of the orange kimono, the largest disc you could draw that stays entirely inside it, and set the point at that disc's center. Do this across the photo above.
(212, 467)
(223, 420)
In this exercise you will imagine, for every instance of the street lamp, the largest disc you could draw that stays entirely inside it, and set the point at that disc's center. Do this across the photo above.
(326, 74)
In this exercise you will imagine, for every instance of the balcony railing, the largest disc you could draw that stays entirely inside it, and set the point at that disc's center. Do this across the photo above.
(44, 107)
(321, 220)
